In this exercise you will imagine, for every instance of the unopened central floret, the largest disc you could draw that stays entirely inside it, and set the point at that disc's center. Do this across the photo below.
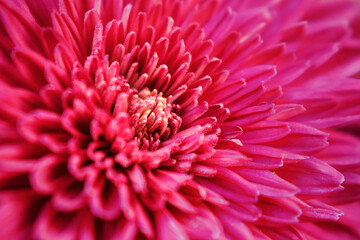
(152, 118)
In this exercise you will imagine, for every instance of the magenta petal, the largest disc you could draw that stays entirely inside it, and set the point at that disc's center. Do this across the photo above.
(125, 201)
(16, 166)
(313, 176)
(204, 225)
(12, 203)
(346, 227)
(231, 186)
(276, 212)
(56, 225)
(169, 227)
(120, 229)
(71, 198)
(237, 229)
(138, 179)
(103, 196)
(180, 202)
(143, 221)
(239, 213)
(26, 33)
(302, 140)
(344, 150)
(227, 158)
(44, 127)
(264, 132)
(321, 211)
(283, 233)
(268, 183)
(195, 191)
(31, 65)
(50, 174)
(352, 176)
(154, 200)
(271, 152)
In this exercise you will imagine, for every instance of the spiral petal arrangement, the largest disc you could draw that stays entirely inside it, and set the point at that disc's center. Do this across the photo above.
(179, 119)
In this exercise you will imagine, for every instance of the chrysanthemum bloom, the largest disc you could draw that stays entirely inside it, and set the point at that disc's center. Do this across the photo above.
(194, 119)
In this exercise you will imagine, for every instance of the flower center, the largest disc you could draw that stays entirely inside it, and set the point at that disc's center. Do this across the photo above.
(152, 118)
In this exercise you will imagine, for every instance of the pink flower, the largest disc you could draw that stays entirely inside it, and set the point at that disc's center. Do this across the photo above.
(179, 119)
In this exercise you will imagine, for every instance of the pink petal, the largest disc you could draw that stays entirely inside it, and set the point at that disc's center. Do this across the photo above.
(312, 176)
(168, 227)
(50, 174)
(268, 183)
(56, 225)
(344, 150)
